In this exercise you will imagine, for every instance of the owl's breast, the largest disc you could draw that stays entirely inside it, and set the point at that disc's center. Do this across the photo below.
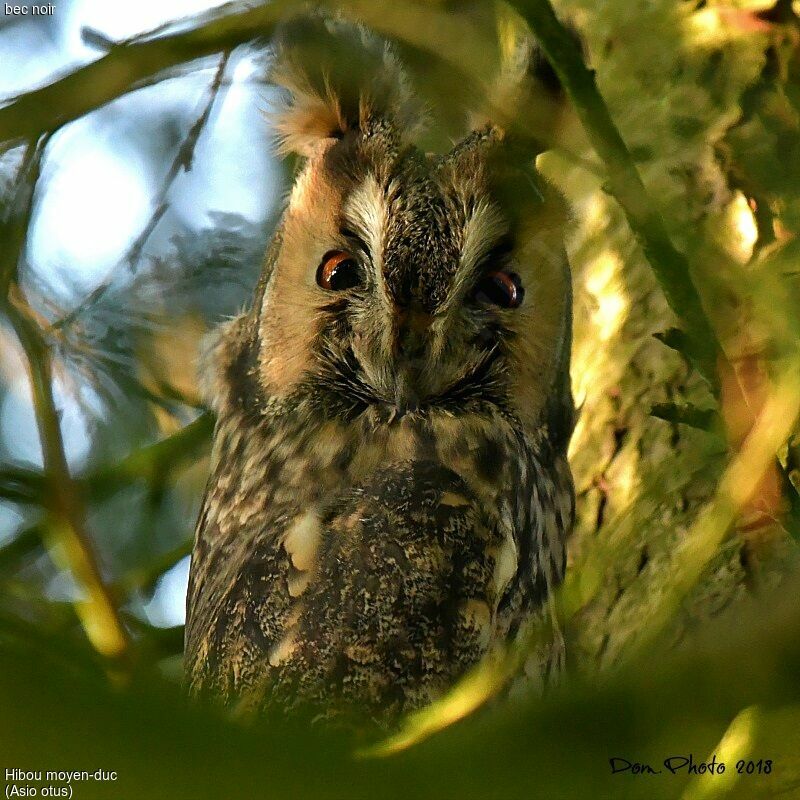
(377, 580)
(401, 597)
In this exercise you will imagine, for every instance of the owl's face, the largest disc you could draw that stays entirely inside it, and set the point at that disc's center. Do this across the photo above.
(405, 284)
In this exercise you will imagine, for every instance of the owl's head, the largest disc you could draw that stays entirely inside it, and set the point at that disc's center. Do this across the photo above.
(402, 282)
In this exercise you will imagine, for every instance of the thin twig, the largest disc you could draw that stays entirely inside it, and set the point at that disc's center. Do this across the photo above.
(20, 484)
(183, 161)
(145, 577)
(152, 462)
(14, 222)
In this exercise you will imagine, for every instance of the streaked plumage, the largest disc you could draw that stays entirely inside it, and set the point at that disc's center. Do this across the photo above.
(389, 495)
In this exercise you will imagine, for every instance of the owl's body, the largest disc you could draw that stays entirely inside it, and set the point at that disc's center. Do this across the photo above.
(390, 496)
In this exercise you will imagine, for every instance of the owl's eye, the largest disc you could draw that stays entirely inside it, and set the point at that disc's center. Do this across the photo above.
(502, 289)
(338, 270)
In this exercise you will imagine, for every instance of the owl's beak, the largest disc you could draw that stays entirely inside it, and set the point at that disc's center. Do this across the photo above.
(413, 325)
(406, 397)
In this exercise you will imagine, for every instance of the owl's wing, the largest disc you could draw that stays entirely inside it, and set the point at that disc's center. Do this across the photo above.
(237, 595)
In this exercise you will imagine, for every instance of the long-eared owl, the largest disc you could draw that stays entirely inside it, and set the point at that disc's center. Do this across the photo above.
(390, 495)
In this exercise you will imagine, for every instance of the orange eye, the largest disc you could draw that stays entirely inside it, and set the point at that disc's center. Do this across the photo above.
(502, 289)
(338, 270)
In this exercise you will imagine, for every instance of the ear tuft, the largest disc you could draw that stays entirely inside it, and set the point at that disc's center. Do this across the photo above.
(337, 77)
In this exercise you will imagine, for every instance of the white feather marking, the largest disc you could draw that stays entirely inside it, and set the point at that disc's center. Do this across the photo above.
(302, 539)
(482, 230)
(505, 565)
(283, 650)
(366, 208)
(298, 583)
(478, 616)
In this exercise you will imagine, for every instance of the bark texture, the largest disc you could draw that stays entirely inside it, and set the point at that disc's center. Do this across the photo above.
(674, 79)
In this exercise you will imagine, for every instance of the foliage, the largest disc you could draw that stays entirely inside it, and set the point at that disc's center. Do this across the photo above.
(678, 151)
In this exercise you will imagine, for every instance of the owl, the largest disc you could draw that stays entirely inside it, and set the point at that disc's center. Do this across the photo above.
(389, 496)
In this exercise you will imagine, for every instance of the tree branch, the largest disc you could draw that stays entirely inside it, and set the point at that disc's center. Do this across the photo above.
(26, 485)
(123, 67)
(66, 515)
(62, 500)
(150, 463)
(129, 64)
(21, 545)
(671, 267)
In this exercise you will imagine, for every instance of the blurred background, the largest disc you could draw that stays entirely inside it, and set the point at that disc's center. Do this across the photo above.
(137, 219)
(137, 259)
